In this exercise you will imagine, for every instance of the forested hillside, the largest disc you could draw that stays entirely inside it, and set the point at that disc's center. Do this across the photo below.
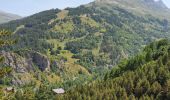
(66, 48)
(96, 35)
(145, 76)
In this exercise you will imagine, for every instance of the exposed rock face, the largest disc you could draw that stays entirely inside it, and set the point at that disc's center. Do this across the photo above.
(18, 63)
(23, 66)
(41, 61)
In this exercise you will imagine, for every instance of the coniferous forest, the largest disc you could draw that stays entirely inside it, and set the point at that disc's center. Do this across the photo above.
(145, 76)
(104, 50)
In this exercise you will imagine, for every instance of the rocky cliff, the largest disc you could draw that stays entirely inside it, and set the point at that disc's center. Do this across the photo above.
(24, 66)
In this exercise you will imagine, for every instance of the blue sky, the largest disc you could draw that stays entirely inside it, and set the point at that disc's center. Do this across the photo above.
(167, 2)
(28, 7)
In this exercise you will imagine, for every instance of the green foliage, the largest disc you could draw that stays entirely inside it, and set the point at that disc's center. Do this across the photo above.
(5, 38)
(89, 43)
(136, 78)
(4, 41)
(32, 35)
(114, 31)
(95, 37)
(4, 70)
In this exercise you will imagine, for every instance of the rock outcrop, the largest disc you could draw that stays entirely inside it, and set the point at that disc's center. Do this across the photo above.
(18, 63)
(41, 61)
(23, 66)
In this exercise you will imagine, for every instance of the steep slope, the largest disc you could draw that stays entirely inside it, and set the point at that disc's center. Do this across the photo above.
(145, 76)
(95, 36)
(141, 7)
(95, 24)
(6, 17)
(83, 43)
(35, 55)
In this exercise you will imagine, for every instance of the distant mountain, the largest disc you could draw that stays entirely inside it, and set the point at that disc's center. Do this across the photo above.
(6, 17)
(152, 3)
(143, 7)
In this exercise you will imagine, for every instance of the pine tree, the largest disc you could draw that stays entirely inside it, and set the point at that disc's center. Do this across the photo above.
(149, 55)
(4, 41)
(155, 88)
(165, 59)
(132, 97)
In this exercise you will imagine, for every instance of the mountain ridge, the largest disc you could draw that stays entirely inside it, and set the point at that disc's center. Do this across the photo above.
(6, 17)
(159, 3)
(141, 7)
(79, 45)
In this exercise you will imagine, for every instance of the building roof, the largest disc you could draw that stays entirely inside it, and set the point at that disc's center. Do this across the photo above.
(9, 88)
(59, 90)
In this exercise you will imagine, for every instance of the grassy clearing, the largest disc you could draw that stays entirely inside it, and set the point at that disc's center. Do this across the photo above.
(88, 21)
(66, 27)
(71, 69)
(20, 27)
(60, 15)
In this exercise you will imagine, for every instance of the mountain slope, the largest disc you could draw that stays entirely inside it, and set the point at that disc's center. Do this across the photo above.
(78, 45)
(90, 37)
(141, 7)
(145, 76)
(6, 17)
